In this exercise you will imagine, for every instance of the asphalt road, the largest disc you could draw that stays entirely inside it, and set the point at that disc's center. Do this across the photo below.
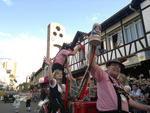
(8, 108)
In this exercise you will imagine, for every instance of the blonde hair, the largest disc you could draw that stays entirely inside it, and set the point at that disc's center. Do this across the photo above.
(57, 72)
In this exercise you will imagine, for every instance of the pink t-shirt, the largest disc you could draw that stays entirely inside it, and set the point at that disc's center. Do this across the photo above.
(61, 56)
(107, 98)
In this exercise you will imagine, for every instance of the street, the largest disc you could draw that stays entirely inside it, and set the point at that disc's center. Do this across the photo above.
(8, 108)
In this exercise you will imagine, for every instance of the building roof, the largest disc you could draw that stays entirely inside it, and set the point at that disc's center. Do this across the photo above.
(126, 11)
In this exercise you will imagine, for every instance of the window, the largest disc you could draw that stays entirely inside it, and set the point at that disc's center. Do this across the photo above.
(114, 39)
(133, 31)
(120, 38)
(127, 32)
(100, 48)
(109, 42)
(139, 28)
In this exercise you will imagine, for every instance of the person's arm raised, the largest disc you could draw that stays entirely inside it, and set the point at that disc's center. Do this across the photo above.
(49, 63)
(91, 56)
(76, 49)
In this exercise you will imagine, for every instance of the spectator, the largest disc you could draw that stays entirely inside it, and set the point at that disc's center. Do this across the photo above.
(137, 95)
(28, 101)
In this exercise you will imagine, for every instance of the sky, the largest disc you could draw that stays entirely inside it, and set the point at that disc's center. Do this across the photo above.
(23, 26)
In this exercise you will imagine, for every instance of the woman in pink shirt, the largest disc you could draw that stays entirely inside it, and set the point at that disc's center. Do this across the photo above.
(60, 60)
(111, 96)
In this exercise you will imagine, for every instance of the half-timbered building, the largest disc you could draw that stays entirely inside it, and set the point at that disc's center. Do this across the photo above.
(126, 36)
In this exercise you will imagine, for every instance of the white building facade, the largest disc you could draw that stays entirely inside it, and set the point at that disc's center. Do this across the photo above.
(126, 35)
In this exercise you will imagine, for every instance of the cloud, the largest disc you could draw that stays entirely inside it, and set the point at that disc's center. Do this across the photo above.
(96, 17)
(5, 34)
(27, 50)
(8, 2)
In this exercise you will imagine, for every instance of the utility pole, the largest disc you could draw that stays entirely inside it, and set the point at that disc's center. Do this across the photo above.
(48, 41)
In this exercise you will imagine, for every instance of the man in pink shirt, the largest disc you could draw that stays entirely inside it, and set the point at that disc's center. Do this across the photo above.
(111, 96)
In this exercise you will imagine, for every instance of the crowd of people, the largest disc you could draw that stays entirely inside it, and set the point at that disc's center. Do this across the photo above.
(140, 92)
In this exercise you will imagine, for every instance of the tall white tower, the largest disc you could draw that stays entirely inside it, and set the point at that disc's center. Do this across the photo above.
(55, 35)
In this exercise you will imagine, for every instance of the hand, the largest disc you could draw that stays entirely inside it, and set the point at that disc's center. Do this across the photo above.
(73, 79)
(47, 61)
(80, 46)
(77, 46)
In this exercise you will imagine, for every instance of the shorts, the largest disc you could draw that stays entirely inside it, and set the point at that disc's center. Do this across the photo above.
(57, 66)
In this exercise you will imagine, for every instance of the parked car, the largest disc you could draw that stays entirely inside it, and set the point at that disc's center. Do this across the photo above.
(9, 98)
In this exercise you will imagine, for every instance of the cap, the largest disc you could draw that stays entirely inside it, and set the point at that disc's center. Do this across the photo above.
(122, 66)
